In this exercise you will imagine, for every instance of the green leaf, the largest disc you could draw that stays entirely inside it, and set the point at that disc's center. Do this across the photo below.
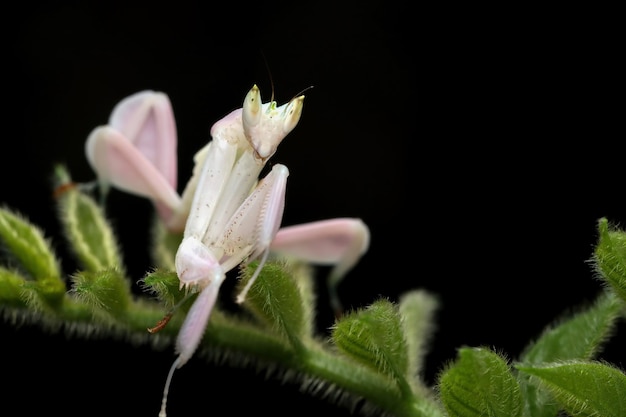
(303, 273)
(275, 299)
(564, 342)
(480, 383)
(610, 257)
(26, 243)
(12, 288)
(584, 388)
(417, 309)
(374, 336)
(165, 285)
(87, 230)
(106, 291)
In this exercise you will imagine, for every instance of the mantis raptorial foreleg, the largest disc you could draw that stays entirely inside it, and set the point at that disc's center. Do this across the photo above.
(230, 217)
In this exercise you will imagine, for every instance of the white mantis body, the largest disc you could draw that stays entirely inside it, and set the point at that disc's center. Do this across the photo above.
(232, 217)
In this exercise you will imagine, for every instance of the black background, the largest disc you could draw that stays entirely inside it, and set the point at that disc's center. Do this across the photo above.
(480, 146)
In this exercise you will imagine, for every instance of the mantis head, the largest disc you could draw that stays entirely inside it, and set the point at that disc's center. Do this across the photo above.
(265, 125)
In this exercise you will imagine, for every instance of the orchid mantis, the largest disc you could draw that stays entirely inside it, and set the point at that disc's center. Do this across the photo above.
(228, 216)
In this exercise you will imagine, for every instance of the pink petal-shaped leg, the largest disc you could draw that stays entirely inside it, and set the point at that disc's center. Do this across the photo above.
(340, 242)
(191, 331)
(146, 118)
(136, 151)
(195, 323)
(121, 164)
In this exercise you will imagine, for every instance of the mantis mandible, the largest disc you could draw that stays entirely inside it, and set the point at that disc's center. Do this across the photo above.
(230, 217)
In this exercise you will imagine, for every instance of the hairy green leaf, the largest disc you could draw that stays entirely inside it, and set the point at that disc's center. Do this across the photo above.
(563, 341)
(374, 336)
(584, 388)
(275, 299)
(417, 309)
(165, 285)
(580, 336)
(11, 288)
(26, 243)
(610, 257)
(106, 291)
(480, 383)
(86, 228)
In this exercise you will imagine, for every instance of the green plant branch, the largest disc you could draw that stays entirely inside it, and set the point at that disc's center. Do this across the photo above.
(370, 363)
(243, 342)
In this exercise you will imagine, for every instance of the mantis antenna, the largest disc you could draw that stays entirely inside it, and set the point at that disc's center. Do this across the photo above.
(269, 74)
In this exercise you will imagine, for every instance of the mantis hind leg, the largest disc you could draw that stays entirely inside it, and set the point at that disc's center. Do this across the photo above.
(337, 242)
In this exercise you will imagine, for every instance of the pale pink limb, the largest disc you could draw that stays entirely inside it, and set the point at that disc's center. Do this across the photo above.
(119, 163)
(191, 331)
(340, 242)
(136, 151)
(197, 318)
(146, 118)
